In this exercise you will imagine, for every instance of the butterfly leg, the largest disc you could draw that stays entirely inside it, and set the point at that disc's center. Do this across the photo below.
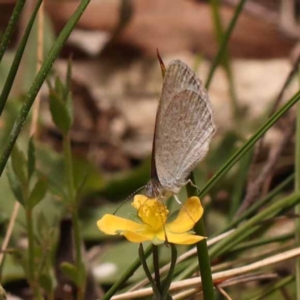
(193, 185)
(177, 199)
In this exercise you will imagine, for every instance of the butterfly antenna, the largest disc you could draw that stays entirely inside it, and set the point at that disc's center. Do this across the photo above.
(127, 198)
(161, 63)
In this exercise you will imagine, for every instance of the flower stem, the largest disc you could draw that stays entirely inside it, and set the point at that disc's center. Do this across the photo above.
(156, 266)
(168, 280)
(31, 256)
(73, 201)
(143, 257)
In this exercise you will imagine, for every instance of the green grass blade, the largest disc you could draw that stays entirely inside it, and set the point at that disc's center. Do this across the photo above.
(258, 204)
(38, 81)
(250, 226)
(11, 26)
(224, 43)
(249, 144)
(225, 59)
(16, 62)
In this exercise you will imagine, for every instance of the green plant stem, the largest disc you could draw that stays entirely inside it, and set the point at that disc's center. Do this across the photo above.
(17, 59)
(143, 260)
(224, 43)
(11, 26)
(202, 252)
(69, 167)
(156, 267)
(239, 186)
(297, 189)
(129, 272)
(31, 256)
(38, 81)
(168, 280)
(73, 202)
(249, 144)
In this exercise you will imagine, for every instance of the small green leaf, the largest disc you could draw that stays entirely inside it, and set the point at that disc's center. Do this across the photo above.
(69, 105)
(60, 113)
(38, 193)
(31, 158)
(68, 78)
(59, 88)
(71, 272)
(19, 164)
(15, 186)
(46, 283)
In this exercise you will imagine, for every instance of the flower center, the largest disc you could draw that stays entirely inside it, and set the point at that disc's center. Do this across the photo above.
(154, 214)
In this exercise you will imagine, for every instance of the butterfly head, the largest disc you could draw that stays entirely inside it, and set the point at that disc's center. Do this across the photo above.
(154, 189)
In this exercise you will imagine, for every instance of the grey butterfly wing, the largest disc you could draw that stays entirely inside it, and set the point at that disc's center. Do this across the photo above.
(184, 129)
(177, 78)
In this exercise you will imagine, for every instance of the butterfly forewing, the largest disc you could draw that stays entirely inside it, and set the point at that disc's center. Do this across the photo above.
(184, 127)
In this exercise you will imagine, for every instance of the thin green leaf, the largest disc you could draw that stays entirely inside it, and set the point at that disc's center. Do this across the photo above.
(19, 164)
(68, 78)
(59, 113)
(224, 42)
(249, 144)
(11, 26)
(17, 59)
(38, 193)
(30, 158)
(15, 186)
(69, 106)
(60, 89)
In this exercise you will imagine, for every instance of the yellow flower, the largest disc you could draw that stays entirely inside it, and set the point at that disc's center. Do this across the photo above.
(154, 227)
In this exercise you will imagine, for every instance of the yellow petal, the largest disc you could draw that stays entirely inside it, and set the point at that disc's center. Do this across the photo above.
(183, 238)
(135, 237)
(111, 224)
(138, 201)
(189, 214)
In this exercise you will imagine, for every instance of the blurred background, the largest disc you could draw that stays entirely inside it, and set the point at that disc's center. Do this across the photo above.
(116, 83)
